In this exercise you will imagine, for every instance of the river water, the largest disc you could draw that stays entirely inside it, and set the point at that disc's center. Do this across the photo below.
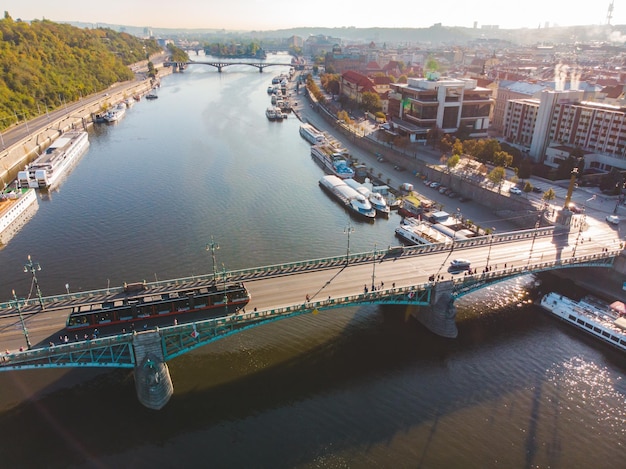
(357, 387)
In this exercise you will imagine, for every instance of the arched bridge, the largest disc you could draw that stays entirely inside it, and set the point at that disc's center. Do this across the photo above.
(221, 65)
(417, 276)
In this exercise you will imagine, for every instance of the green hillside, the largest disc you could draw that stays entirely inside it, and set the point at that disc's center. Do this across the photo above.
(44, 64)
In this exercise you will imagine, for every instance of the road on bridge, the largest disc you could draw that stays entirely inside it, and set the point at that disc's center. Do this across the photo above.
(350, 279)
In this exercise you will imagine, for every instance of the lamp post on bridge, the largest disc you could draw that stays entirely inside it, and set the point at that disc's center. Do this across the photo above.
(33, 267)
(374, 267)
(532, 245)
(212, 246)
(19, 311)
(348, 230)
(493, 232)
(582, 221)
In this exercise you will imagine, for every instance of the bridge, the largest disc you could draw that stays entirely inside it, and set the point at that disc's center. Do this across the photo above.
(417, 277)
(221, 65)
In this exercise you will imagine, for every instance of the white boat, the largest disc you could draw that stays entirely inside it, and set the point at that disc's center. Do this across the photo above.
(270, 113)
(377, 200)
(17, 206)
(332, 160)
(47, 170)
(116, 113)
(311, 134)
(604, 321)
(417, 232)
(352, 200)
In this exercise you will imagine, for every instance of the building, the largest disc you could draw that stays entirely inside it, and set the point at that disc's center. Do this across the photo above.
(550, 128)
(448, 104)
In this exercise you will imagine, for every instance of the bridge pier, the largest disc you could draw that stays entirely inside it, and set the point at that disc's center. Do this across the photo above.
(152, 376)
(440, 316)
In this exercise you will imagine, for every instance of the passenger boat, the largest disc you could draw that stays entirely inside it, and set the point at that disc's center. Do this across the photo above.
(417, 232)
(354, 201)
(47, 170)
(17, 205)
(115, 114)
(605, 321)
(141, 307)
(311, 134)
(332, 160)
(376, 199)
(152, 96)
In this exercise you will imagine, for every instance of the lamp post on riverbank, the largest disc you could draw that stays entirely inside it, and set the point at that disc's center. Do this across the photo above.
(33, 267)
(19, 311)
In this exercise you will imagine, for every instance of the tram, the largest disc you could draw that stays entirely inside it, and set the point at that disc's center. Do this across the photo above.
(143, 308)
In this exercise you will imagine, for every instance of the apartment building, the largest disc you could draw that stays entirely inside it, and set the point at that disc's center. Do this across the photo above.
(448, 104)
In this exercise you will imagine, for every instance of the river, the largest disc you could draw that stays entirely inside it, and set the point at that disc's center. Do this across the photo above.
(355, 387)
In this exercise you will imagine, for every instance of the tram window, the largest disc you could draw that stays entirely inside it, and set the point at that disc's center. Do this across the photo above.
(104, 317)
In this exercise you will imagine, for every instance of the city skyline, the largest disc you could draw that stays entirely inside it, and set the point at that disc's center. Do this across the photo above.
(248, 15)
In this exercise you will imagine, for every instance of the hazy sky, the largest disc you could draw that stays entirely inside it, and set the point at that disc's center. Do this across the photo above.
(264, 14)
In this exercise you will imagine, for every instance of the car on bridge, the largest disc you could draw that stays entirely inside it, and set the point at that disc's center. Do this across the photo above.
(460, 264)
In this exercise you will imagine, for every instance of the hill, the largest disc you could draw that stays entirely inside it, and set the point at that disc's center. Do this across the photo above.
(44, 64)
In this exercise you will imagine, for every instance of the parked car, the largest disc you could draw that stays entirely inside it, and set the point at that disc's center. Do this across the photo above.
(380, 159)
(398, 168)
(613, 219)
(515, 190)
(464, 199)
(452, 195)
(442, 189)
(537, 190)
(435, 185)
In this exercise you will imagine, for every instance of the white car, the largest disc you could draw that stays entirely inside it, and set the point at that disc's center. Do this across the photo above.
(613, 219)
(515, 190)
(460, 264)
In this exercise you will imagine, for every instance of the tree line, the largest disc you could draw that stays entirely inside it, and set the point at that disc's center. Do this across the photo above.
(44, 65)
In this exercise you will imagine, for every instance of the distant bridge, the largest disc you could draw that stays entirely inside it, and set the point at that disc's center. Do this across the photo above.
(412, 276)
(220, 65)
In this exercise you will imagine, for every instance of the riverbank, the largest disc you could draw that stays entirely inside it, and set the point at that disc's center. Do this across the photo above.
(34, 136)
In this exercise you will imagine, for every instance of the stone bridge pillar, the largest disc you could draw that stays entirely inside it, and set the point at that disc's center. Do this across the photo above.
(439, 317)
(152, 376)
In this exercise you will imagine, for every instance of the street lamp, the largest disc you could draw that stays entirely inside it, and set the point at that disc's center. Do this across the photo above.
(33, 267)
(19, 311)
(374, 267)
(212, 246)
(225, 294)
(493, 232)
(347, 230)
(580, 230)
(532, 245)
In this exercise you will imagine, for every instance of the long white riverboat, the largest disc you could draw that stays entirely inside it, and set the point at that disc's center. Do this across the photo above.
(602, 320)
(17, 205)
(354, 201)
(332, 160)
(311, 134)
(46, 171)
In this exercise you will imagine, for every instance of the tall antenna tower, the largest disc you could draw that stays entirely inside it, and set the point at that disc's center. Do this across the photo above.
(609, 13)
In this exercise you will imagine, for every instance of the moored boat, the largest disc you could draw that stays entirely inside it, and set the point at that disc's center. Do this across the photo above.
(47, 170)
(311, 134)
(332, 160)
(270, 113)
(417, 232)
(17, 205)
(351, 199)
(376, 199)
(606, 322)
(116, 113)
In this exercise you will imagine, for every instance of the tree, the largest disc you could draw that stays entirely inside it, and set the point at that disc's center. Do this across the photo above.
(453, 161)
(370, 102)
(502, 158)
(457, 147)
(549, 195)
(497, 176)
